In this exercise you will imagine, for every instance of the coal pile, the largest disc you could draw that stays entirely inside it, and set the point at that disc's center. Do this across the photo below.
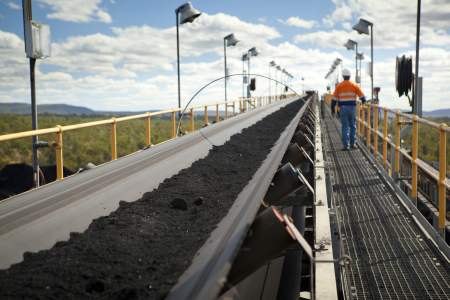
(140, 250)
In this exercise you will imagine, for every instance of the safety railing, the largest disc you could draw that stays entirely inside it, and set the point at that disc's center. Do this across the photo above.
(245, 104)
(364, 129)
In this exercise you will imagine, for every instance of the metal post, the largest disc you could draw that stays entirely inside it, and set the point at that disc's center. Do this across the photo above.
(375, 132)
(225, 56)
(371, 56)
(192, 120)
(206, 114)
(356, 63)
(442, 176)
(385, 137)
(416, 83)
(269, 78)
(27, 17)
(414, 145)
(59, 155)
(147, 125)
(397, 144)
(173, 123)
(243, 76)
(234, 108)
(368, 128)
(113, 140)
(358, 118)
(178, 67)
(248, 82)
(217, 113)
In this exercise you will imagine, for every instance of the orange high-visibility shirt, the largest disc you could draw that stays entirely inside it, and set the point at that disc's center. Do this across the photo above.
(346, 93)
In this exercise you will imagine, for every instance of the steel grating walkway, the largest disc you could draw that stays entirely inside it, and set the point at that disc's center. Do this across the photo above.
(391, 259)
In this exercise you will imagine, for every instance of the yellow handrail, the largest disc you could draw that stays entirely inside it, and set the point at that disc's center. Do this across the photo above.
(58, 130)
(363, 124)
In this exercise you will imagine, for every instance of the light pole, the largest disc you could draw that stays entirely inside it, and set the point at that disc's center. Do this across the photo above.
(283, 89)
(231, 41)
(278, 68)
(37, 45)
(244, 59)
(188, 15)
(271, 64)
(350, 45)
(363, 27)
(251, 52)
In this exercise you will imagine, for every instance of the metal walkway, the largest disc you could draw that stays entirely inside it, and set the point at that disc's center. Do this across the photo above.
(391, 257)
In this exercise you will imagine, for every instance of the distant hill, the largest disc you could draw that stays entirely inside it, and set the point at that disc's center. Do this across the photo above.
(65, 109)
(437, 113)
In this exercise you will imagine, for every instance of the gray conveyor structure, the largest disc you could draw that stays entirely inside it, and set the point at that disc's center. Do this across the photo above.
(392, 258)
(37, 219)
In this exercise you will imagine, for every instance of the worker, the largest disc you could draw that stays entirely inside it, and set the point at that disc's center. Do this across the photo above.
(345, 97)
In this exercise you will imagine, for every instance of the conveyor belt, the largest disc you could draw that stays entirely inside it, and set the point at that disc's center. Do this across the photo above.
(37, 219)
(391, 258)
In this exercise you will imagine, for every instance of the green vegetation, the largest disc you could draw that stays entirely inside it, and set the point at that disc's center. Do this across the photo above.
(82, 146)
(428, 140)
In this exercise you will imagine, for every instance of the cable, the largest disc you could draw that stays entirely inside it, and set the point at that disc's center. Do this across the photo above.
(404, 78)
(182, 114)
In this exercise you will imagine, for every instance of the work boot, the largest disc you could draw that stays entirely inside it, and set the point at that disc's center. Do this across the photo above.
(353, 147)
(344, 149)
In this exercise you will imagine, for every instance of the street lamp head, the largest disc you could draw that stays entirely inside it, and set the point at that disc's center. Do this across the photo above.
(254, 51)
(363, 26)
(231, 40)
(337, 61)
(360, 55)
(244, 57)
(278, 68)
(350, 45)
(272, 63)
(188, 13)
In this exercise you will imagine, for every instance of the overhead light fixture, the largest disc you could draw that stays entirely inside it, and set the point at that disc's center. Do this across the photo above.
(38, 41)
(272, 63)
(188, 13)
(350, 45)
(363, 26)
(231, 40)
(254, 51)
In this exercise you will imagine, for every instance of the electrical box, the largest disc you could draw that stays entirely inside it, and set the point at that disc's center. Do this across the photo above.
(227, 73)
(253, 84)
(369, 68)
(245, 80)
(358, 79)
(37, 40)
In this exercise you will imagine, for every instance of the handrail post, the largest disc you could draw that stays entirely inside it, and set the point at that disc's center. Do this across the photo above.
(234, 108)
(240, 107)
(368, 127)
(358, 118)
(442, 179)
(226, 110)
(375, 131)
(192, 119)
(397, 144)
(362, 120)
(385, 137)
(217, 113)
(147, 127)
(113, 140)
(59, 154)
(415, 144)
(173, 123)
(206, 114)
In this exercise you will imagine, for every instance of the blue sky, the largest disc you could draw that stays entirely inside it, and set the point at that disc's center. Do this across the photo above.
(121, 55)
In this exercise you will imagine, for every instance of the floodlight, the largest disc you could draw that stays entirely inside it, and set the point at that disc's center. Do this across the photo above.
(38, 41)
(254, 51)
(363, 26)
(350, 45)
(188, 13)
(231, 40)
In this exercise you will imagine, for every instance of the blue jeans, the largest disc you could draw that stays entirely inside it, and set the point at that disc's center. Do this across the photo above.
(348, 119)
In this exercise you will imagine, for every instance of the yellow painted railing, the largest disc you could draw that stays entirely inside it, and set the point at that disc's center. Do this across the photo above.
(245, 104)
(365, 125)
(364, 129)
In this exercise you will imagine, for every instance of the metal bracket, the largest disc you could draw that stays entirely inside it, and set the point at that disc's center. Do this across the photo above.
(53, 144)
(308, 250)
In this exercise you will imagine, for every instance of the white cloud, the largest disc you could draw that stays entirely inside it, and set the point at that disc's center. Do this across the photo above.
(78, 11)
(263, 19)
(13, 5)
(297, 22)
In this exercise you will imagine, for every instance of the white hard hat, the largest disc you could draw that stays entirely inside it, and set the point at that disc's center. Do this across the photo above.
(346, 72)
